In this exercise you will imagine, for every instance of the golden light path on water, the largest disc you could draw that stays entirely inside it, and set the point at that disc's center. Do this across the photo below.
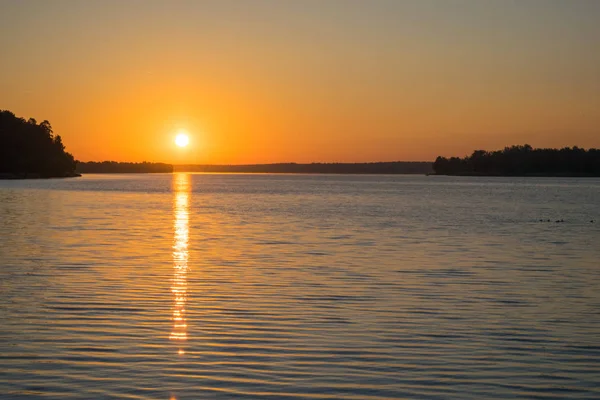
(180, 257)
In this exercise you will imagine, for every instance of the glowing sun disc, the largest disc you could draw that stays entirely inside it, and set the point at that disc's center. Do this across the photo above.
(182, 140)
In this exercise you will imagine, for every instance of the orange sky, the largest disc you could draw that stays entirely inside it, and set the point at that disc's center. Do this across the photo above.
(276, 81)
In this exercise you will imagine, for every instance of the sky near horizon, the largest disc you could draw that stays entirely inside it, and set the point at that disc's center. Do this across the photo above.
(306, 80)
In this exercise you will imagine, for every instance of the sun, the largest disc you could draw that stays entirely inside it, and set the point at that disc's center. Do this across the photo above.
(182, 140)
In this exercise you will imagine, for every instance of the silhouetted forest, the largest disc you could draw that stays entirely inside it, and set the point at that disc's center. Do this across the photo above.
(31, 150)
(113, 167)
(523, 161)
(318, 168)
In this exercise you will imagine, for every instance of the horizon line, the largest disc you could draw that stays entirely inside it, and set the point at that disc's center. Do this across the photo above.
(253, 164)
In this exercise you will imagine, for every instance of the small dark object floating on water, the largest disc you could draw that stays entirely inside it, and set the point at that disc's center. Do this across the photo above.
(558, 221)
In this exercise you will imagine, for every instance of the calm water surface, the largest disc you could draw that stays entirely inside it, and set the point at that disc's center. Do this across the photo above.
(293, 286)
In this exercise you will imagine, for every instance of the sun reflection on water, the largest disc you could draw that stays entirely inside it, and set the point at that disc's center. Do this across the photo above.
(180, 256)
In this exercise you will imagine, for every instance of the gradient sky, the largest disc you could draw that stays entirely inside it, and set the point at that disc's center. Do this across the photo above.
(303, 80)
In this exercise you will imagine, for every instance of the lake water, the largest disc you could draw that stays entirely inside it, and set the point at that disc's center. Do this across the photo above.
(190, 286)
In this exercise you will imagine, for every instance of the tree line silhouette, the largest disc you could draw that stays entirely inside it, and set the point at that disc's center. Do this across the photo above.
(322, 168)
(113, 167)
(523, 161)
(31, 150)
(395, 167)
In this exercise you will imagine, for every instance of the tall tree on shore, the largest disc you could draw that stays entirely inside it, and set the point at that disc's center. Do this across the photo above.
(28, 148)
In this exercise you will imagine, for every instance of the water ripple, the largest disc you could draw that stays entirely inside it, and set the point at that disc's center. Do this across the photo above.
(299, 287)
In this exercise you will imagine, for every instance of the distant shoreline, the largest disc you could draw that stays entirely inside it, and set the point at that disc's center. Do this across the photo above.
(383, 168)
(333, 173)
(394, 167)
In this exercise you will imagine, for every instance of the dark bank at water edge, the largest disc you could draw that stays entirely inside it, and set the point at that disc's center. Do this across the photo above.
(523, 161)
(30, 150)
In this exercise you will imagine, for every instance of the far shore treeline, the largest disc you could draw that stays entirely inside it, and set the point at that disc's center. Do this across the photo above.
(113, 167)
(396, 167)
(290, 168)
(523, 161)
